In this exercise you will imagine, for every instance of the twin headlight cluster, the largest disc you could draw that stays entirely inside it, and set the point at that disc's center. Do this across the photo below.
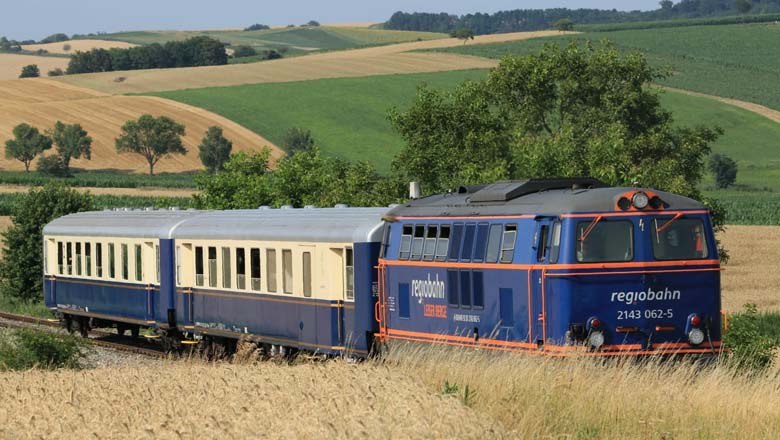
(595, 337)
(639, 200)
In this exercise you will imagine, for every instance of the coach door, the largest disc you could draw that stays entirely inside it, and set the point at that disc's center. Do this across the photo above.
(546, 245)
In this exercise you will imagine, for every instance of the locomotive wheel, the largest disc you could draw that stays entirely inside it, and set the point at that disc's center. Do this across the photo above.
(121, 329)
(135, 331)
(70, 324)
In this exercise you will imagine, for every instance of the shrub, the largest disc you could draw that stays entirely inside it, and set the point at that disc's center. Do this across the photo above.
(66, 47)
(56, 72)
(55, 38)
(257, 27)
(564, 24)
(748, 348)
(52, 166)
(30, 71)
(724, 168)
(27, 348)
(244, 51)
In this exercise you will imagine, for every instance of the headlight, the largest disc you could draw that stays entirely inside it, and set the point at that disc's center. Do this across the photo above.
(596, 339)
(640, 200)
(695, 336)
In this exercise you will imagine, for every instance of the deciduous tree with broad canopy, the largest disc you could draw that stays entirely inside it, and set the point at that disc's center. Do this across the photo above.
(72, 142)
(214, 149)
(153, 138)
(27, 143)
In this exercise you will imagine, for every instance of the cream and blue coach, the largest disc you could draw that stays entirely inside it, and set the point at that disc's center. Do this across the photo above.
(298, 278)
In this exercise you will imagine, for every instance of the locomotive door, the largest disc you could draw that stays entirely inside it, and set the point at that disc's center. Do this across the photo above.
(545, 245)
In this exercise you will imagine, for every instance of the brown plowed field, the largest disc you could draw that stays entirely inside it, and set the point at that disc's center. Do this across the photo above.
(11, 64)
(380, 60)
(78, 45)
(103, 117)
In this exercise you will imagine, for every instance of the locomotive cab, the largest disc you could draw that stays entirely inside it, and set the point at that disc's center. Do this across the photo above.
(558, 266)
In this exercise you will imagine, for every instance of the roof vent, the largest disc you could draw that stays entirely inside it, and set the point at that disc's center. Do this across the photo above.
(264, 207)
(149, 208)
(287, 207)
(341, 206)
(508, 190)
(414, 190)
(392, 205)
(308, 207)
(174, 208)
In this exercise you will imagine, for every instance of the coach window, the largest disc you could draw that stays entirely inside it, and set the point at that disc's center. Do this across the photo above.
(240, 268)
(99, 260)
(508, 243)
(139, 263)
(480, 242)
(254, 264)
(88, 258)
(406, 243)
(212, 266)
(198, 265)
(157, 263)
(417, 241)
(442, 244)
(111, 261)
(69, 258)
(227, 274)
(494, 243)
(178, 265)
(125, 263)
(600, 241)
(678, 239)
(307, 274)
(429, 250)
(287, 271)
(457, 235)
(468, 242)
(555, 245)
(270, 267)
(59, 257)
(78, 259)
(349, 274)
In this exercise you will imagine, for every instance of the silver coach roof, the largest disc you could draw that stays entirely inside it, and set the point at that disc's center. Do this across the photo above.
(355, 225)
(118, 223)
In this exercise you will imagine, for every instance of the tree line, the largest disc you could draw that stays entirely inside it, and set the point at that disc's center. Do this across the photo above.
(537, 19)
(195, 51)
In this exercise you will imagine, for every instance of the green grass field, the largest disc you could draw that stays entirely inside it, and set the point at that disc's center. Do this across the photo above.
(733, 61)
(102, 179)
(300, 38)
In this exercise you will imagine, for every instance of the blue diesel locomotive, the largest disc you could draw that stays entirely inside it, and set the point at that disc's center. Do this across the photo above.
(556, 267)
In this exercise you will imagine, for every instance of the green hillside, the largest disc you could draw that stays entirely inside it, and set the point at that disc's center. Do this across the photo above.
(733, 61)
(303, 38)
(348, 117)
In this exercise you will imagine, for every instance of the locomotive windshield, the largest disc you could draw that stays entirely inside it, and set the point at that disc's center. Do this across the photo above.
(678, 239)
(605, 241)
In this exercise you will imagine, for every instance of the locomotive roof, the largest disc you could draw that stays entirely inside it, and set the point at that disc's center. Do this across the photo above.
(529, 197)
(355, 225)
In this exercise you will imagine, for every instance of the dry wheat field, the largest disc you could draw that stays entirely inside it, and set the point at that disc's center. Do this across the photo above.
(11, 64)
(417, 392)
(78, 45)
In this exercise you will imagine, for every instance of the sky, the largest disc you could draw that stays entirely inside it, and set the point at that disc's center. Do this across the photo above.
(35, 19)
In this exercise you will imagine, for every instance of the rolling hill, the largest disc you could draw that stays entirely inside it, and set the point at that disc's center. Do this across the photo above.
(11, 64)
(77, 45)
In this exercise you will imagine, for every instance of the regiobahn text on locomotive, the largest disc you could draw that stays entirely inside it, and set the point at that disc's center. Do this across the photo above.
(554, 266)
(551, 266)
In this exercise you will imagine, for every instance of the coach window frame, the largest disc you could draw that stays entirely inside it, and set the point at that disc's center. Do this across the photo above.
(429, 242)
(418, 240)
(443, 243)
(456, 240)
(405, 245)
(513, 230)
(467, 245)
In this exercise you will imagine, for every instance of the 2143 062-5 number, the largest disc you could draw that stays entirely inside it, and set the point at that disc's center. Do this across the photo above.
(647, 314)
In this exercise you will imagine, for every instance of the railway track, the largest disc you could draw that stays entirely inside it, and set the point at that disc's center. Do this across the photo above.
(98, 338)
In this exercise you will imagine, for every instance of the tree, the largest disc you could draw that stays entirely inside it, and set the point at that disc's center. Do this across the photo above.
(464, 34)
(743, 6)
(52, 165)
(312, 23)
(724, 169)
(27, 143)
(214, 149)
(257, 27)
(564, 24)
(22, 263)
(297, 139)
(72, 142)
(153, 138)
(56, 72)
(30, 71)
(55, 38)
(242, 184)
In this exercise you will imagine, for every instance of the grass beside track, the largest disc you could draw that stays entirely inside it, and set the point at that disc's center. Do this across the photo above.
(733, 61)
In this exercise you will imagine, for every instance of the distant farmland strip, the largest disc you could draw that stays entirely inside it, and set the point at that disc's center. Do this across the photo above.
(104, 201)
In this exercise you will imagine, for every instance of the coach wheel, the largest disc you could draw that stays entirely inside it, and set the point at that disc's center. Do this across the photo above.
(135, 331)
(121, 329)
(83, 325)
(71, 325)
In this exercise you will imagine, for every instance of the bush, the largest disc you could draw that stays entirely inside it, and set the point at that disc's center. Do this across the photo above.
(244, 51)
(28, 348)
(55, 38)
(257, 27)
(66, 47)
(724, 168)
(56, 72)
(564, 24)
(52, 166)
(30, 71)
(748, 349)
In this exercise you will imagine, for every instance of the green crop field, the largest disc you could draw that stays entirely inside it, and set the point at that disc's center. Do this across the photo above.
(301, 38)
(102, 179)
(9, 200)
(733, 61)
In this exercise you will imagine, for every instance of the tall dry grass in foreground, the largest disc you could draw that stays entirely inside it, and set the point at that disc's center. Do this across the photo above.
(533, 397)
